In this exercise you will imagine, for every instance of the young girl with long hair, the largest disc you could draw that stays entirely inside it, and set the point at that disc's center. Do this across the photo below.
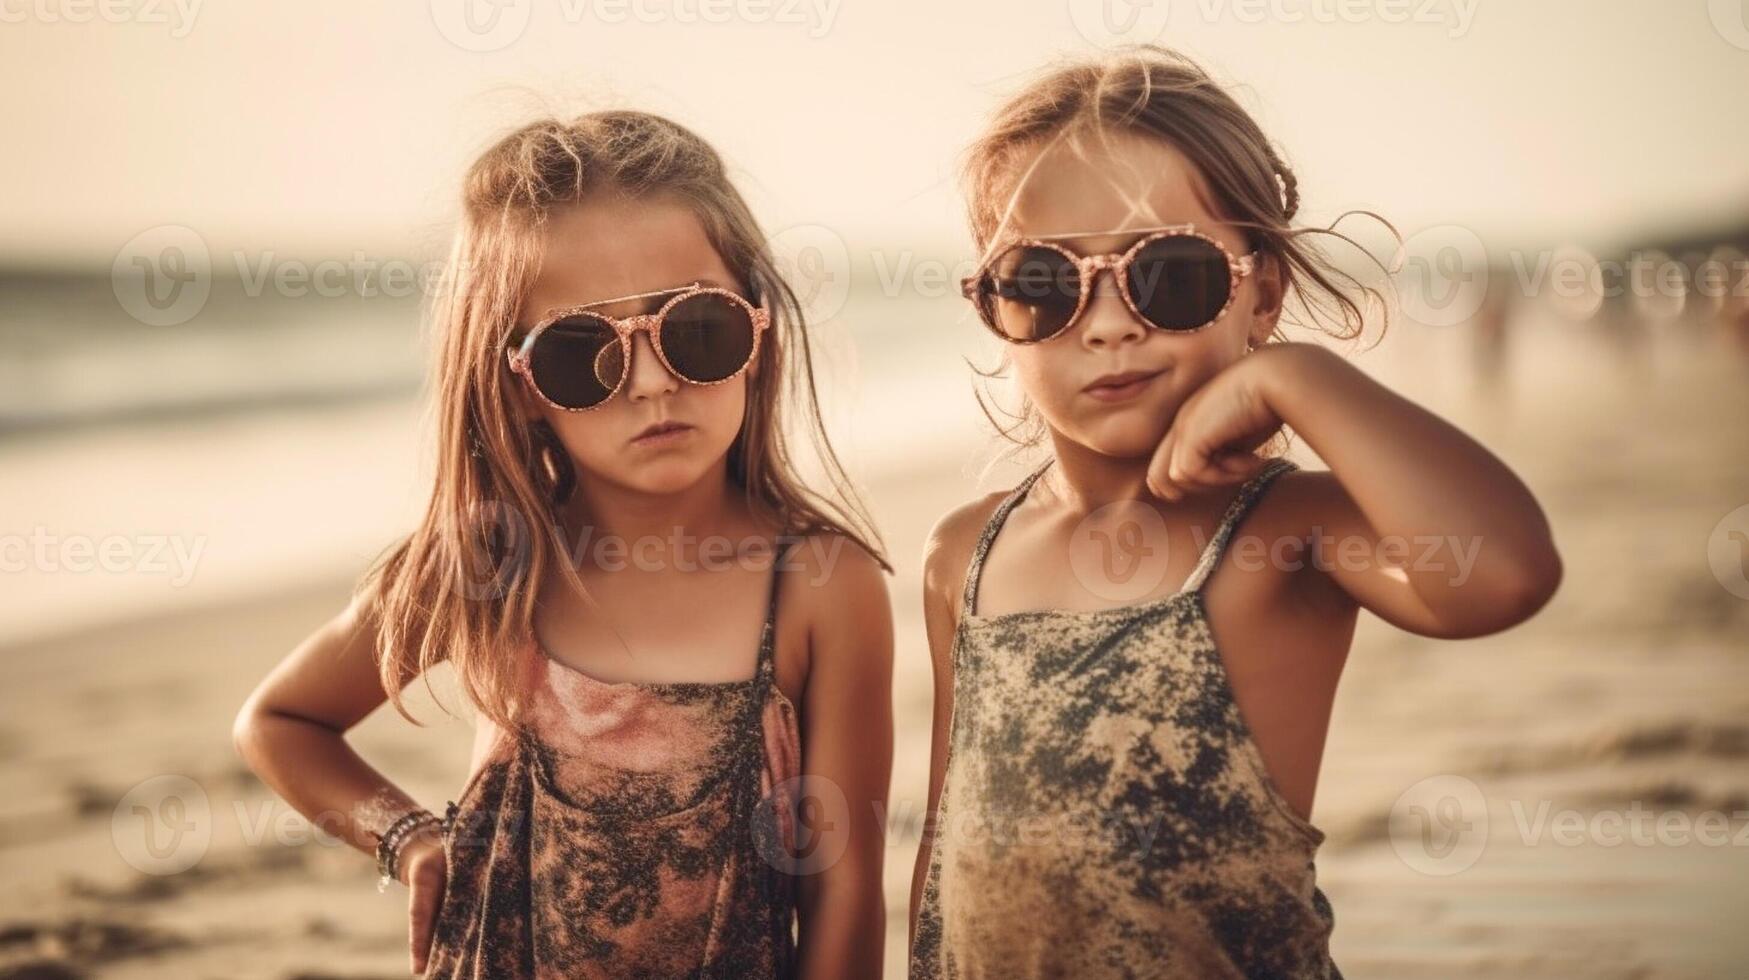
(668, 638)
(1137, 647)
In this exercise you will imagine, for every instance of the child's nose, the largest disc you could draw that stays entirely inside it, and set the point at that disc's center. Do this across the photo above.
(1107, 320)
(648, 377)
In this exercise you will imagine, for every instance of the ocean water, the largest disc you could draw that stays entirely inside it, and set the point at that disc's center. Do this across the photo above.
(75, 357)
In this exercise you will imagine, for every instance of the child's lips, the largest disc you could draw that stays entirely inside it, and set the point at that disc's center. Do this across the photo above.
(662, 434)
(1122, 386)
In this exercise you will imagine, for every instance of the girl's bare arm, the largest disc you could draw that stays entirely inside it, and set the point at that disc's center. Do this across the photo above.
(945, 557)
(847, 763)
(1416, 521)
(291, 731)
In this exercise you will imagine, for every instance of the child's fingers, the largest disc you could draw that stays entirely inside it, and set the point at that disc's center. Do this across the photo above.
(1192, 468)
(1159, 480)
(1182, 465)
(1192, 471)
(1239, 467)
(428, 883)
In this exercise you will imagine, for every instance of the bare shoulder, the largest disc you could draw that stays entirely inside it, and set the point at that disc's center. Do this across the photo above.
(1296, 507)
(948, 549)
(834, 573)
(1298, 502)
(846, 613)
(833, 562)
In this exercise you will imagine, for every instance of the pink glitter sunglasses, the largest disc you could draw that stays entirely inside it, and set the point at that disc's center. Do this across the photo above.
(576, 359)
(1174, 278)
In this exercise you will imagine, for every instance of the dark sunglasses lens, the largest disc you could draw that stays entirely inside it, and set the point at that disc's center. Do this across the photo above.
(707, 337)
(577, 362)
(1179, 282)
(1031, 293)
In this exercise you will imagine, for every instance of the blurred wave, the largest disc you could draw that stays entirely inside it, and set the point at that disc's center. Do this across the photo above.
(74, 357)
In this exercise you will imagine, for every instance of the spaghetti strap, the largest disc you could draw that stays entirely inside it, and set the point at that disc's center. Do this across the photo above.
(975, 569)
(780, 546)
(1242, 501)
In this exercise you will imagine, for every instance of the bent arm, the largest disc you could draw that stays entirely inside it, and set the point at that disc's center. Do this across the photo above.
(291, 732)
(1443, 539)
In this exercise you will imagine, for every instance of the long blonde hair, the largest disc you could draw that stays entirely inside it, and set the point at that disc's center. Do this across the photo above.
(1162, 94)
(462, 586)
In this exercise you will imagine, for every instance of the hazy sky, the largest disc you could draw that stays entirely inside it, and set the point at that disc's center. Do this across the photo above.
(329, 127)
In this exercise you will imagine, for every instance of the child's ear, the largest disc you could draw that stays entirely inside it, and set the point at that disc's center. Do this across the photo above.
(1270, 288)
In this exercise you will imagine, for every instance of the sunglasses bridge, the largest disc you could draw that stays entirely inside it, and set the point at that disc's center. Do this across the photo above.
(1090, 266)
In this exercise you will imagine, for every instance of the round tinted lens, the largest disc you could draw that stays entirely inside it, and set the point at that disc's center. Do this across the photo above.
(1179, 282)
(707, 337)
(1031, 292)
(577, 362)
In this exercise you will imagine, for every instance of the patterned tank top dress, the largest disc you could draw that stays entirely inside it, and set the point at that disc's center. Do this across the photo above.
(1105, 811)
(629, 830)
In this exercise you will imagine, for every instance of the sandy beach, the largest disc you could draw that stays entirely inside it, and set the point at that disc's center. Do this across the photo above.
(226, 232)
(1627, 695)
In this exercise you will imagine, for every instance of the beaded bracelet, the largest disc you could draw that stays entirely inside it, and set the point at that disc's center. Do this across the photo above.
(389, 844)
